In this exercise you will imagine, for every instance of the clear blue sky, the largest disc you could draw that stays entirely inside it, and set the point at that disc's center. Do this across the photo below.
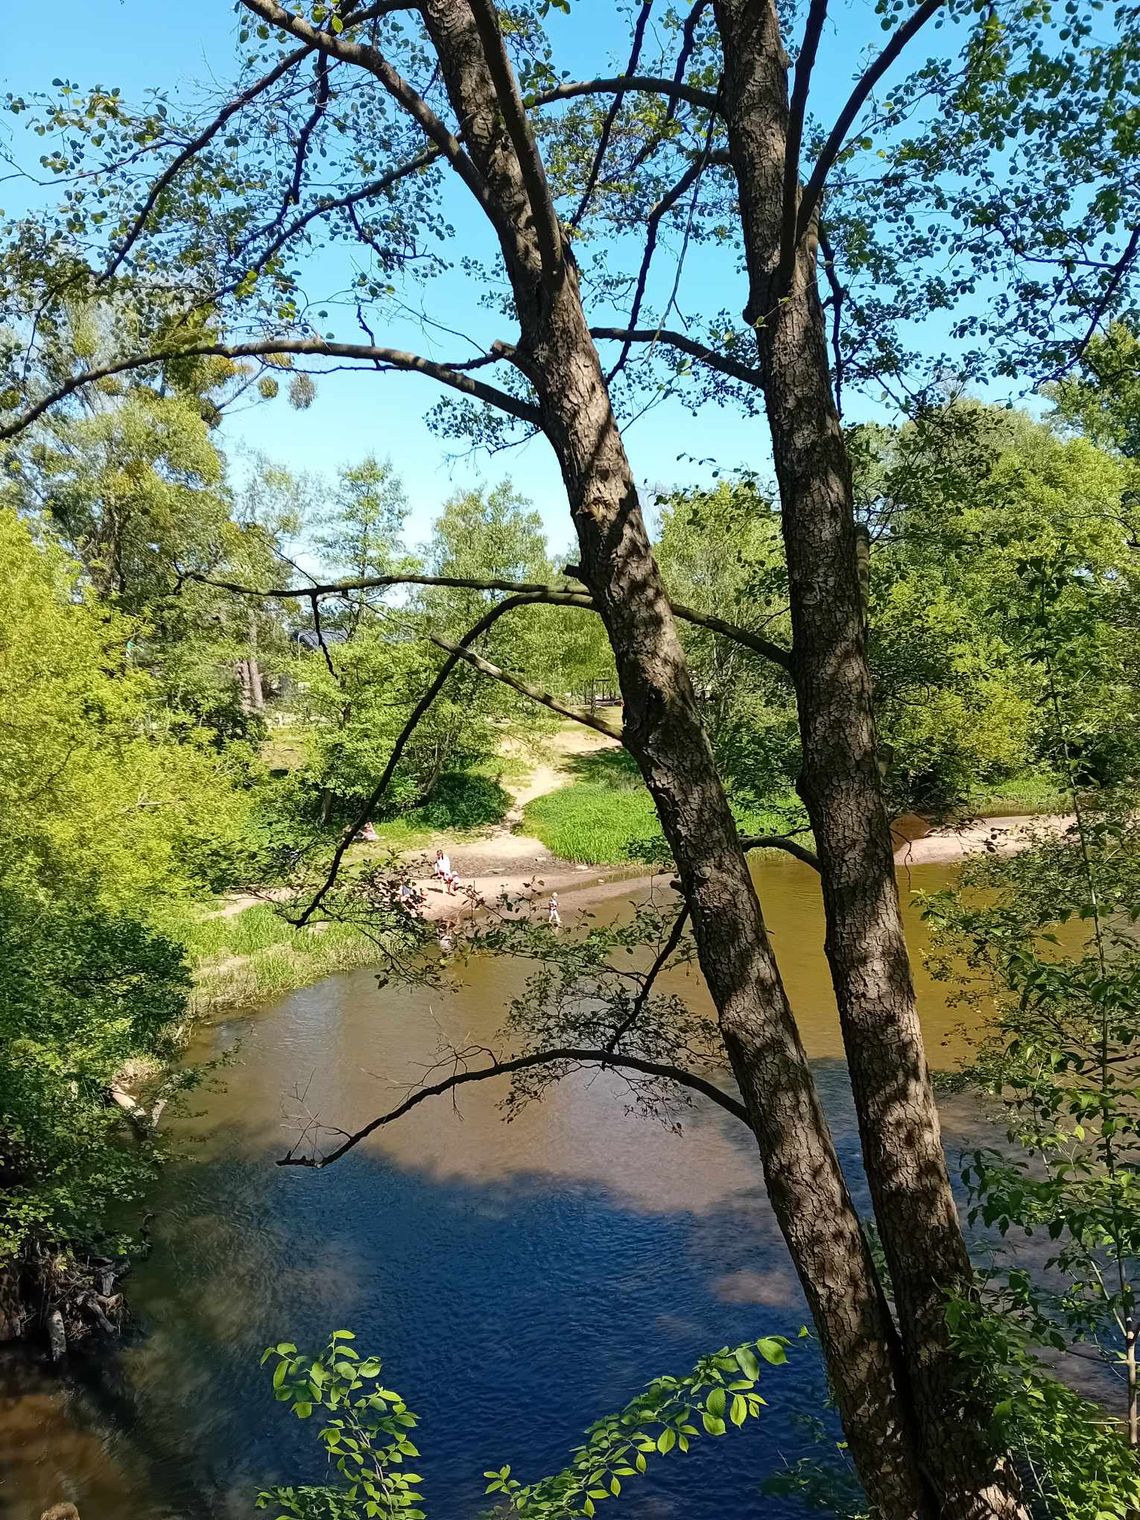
(137, 44)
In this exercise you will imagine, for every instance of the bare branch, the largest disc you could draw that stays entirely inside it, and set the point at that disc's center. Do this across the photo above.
(794, 138)
(687, 345)
(659, 963)
(583, 1057)
(535, 590)
(612, 115)
(409, 728)
(1119, 270)
(170, 173)
(533, 171)
(319, 348)
(831, 274)
(640, 83)
(528, 689)
(857, 99)
(780, 842)
(320, 105)
(316, 606)
(745, 636)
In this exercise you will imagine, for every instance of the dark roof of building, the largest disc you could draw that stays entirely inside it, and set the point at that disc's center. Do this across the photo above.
(307, 637)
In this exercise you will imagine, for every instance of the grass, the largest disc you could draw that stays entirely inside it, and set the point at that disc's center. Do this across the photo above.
(605, 816)
(255, 955)
(1032, 791)
(591, 822)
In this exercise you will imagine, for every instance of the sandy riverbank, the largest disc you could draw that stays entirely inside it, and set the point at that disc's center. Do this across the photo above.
(949, 842)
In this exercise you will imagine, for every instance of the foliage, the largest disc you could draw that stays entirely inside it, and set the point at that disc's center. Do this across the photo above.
(93, 788)
(365, 1434)
(1076, 1465)
(956, 505)
(84, 993)
(720, 552)
(1103, 399)
(1051, 941)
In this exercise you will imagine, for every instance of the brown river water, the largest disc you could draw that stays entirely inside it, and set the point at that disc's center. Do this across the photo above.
(518, 1279)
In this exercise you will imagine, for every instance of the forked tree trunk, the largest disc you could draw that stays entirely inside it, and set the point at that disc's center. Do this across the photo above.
(841, 787)
(664, 733)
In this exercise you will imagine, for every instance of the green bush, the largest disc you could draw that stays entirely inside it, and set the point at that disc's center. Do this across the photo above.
(83, 992)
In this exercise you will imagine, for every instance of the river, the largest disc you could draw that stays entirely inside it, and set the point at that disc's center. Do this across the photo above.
(518, 1279)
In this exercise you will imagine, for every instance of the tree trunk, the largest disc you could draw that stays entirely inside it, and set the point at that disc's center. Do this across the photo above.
(841, 787)
(662, 729)
(256, 694)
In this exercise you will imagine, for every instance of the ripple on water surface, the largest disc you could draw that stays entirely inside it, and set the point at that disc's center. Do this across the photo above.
(518, 1280)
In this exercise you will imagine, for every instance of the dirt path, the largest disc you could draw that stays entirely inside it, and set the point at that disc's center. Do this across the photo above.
(502, 859)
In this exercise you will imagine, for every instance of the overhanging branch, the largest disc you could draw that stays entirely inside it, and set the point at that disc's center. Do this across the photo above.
(316, 348)
(418, 712)
(685, 345)
(582, 1057)
(780, 842)
(527, 689)
(640, 83)
(660, 961)
(533, 590)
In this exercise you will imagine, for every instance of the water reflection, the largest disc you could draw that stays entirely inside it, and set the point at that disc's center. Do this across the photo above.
(518, 1279)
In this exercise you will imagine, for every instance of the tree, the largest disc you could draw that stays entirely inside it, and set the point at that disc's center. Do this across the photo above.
(917, 1432)
(110, 827)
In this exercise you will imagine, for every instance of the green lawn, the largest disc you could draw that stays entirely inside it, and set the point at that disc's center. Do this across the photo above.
(255, 955)
(1030, 792)
(605, 816)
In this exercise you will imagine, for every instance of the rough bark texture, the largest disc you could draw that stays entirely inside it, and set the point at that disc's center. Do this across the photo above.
(662, 729)
(840, 783)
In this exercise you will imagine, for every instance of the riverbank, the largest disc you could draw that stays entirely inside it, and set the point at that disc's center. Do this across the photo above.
(920, 844)
(579, 820)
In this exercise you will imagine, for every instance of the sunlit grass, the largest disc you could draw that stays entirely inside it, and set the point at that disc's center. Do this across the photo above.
(608, 817)
(1034, 791)
(256, 955)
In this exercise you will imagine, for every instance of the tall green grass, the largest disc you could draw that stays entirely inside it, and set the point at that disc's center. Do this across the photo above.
(1033, 791)
(256, 955)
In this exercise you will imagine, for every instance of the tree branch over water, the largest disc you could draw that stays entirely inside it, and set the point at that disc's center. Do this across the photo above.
(581, 1057)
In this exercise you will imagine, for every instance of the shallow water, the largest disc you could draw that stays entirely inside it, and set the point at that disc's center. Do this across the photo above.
(518, 1279)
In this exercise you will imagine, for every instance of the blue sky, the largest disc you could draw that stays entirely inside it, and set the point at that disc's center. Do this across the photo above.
(117, 42)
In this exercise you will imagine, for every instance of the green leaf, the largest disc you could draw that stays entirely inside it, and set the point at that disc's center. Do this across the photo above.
(746, 1361)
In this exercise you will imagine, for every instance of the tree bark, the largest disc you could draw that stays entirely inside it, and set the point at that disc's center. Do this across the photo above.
(663, 731)
(841, 787)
